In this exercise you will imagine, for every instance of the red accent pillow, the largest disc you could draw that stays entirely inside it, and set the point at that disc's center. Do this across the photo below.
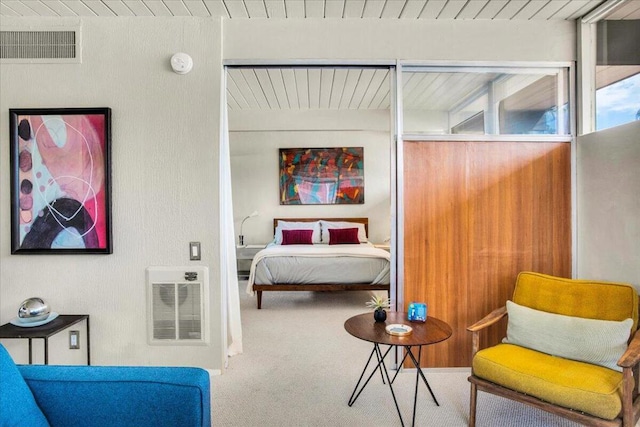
(343, 236)
(297, 237)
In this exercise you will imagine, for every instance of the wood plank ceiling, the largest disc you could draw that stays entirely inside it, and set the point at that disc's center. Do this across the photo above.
(327, 87)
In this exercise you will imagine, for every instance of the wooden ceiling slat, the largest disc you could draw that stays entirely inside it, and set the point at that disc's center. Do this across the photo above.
(302, 87)
(290, 87)
(491, 9)
(236, 8)
(20, 8)
(326, 86)
(432, 9)
(79, 8)
(551, 9)
(353, 8)
(236, 75)
(531, 9)
(412, 9)
(361, 87)
(275, 8)
(138, 7)
(5, 10)
(338, 87)
(373, 8)
(266, 86)
(471, 9)
(277, 83)
(314, 87)
(251, 79)
(157, 7)
(452, 9)
(511, 9)
(216, 8)
(577, 8)
(177, 8)
(294, 8)
(353, 75)
(119, 8)
(196, 8)
(377, 80)
(234, 90)
(381, 92)
(256, 8)
(333, 8)
(40, 8)
(629, 10)
(314, 8)
(99, 8)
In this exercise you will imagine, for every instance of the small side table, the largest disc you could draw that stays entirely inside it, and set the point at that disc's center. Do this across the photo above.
(428, 333)
(244, 257)
(58, 324)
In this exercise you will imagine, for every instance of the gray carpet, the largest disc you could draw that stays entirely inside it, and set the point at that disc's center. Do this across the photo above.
(299, 368)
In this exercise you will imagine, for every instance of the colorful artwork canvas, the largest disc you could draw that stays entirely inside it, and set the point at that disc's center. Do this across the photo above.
(60, 180)
(321, 176)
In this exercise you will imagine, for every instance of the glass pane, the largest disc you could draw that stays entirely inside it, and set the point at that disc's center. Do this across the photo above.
(617, 103)
(492, 102)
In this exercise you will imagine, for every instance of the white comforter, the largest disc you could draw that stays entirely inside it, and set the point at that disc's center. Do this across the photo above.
(319, 264)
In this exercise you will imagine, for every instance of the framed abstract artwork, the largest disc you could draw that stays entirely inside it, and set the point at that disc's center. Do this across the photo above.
(60, 181)
(322, 176)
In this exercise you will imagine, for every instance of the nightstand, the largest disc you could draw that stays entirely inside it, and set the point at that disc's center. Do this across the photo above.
(244, 256)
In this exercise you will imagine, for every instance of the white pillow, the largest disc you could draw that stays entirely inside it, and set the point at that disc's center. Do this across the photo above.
(290, 225)
(600, 342)
(326, 225)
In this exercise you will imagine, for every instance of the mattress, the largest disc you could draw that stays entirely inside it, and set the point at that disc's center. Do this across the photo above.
(320, 264)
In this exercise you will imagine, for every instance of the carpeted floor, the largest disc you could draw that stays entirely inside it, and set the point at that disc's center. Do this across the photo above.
(299, 368)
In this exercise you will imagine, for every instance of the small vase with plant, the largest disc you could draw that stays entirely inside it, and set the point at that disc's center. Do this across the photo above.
(378, 304)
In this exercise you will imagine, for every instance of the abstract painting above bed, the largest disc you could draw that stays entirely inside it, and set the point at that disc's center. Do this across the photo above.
(337, 257)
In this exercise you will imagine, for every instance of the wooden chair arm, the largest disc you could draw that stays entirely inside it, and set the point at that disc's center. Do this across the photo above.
(631, 357)
(486, 321)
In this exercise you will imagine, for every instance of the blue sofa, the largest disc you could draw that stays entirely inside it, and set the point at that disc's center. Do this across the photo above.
(39, 395)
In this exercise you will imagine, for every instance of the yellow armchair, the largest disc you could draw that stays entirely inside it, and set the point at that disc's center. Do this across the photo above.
(571, 349)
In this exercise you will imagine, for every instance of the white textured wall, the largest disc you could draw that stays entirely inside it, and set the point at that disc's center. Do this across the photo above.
(255, 166)
(400, 39)
(165, 134)
(609, 205)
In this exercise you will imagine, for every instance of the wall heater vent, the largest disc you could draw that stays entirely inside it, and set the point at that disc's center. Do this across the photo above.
(40, 46)
(178, 305)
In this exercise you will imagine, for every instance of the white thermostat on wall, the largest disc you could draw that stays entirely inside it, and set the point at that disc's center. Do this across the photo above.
(181, 63)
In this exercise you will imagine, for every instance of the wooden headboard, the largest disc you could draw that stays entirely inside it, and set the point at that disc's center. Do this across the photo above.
(364, 221)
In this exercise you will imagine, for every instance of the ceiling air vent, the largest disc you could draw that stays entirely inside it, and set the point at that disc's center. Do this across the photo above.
(54, 46)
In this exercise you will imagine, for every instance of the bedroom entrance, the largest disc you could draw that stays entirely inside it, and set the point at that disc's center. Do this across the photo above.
(320, 107)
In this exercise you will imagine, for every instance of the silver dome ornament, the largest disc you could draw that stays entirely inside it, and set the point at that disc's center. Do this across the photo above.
(33, 310)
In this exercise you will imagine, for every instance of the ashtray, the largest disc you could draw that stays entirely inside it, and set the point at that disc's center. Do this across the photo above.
(398, 329)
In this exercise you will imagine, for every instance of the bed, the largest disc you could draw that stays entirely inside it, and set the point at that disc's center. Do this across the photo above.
(301, 259)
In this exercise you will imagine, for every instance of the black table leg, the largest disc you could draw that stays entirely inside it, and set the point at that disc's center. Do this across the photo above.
(417, 365)
(46, 351)
(30, 352)
(376, 350)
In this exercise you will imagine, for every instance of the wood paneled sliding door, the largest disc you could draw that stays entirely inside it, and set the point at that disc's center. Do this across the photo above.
(475, 215)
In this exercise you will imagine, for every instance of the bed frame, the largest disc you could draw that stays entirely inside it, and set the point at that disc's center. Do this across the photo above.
(258, 289)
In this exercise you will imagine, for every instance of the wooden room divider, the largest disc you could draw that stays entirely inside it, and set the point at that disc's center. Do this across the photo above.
(475, 215)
